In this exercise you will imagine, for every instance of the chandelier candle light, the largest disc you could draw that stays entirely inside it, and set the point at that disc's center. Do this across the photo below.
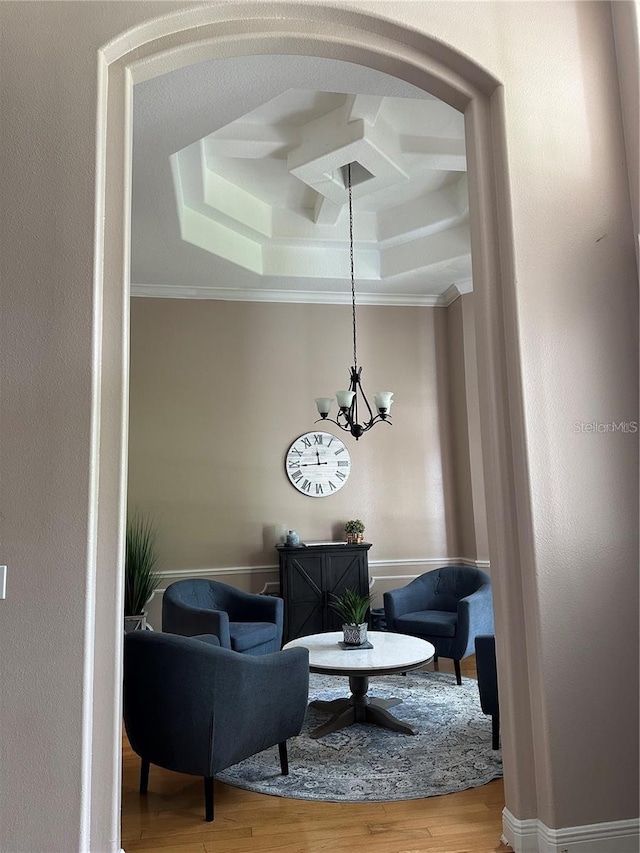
(347, 417)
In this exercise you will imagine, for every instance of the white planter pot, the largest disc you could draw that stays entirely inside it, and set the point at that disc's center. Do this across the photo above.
(135, 623)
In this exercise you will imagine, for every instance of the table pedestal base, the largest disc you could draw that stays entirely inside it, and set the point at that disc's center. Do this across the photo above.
(359, 708)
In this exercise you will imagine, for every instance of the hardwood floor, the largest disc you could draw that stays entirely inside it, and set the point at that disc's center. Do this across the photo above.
(170, 818)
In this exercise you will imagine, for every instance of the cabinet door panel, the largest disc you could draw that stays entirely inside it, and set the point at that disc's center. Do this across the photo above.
(343, 571)
(304, 599)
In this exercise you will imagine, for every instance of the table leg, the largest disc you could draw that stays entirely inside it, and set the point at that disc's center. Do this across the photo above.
(337, 722)
(381, 717)
(359, 708)
(333, 707)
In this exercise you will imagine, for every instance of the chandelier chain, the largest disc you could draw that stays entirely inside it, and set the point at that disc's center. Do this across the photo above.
(347, 417)
(353, 284)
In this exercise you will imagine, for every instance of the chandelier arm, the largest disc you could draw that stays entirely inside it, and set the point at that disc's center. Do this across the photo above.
(384, 418)
(372, 417)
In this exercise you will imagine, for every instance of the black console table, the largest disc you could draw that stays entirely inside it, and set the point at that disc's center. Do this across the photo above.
(310, 575)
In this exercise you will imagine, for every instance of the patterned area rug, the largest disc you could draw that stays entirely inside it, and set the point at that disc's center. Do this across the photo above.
(451, 752)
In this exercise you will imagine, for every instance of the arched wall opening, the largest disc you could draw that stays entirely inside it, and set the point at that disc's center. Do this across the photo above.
(192, 36)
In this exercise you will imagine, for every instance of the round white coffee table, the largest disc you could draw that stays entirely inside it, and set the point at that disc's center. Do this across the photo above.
(391, 653)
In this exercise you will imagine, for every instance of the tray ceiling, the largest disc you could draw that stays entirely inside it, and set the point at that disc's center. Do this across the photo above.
(239, 185)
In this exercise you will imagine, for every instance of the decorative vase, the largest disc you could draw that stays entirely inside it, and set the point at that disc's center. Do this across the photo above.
(355, 635)
(355, 538)
(293, 538)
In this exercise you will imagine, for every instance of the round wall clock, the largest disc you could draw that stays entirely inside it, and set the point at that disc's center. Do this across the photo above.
(318, 464)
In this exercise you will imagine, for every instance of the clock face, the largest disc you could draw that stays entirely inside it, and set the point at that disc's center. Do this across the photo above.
(318, 464)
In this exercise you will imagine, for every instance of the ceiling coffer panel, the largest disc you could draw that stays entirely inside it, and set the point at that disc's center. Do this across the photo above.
(268, 191)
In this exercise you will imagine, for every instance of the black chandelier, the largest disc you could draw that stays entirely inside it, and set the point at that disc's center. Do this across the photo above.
(347, 417)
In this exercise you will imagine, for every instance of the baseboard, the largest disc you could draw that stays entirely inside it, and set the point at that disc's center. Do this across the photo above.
(522, 835)
(532, 836)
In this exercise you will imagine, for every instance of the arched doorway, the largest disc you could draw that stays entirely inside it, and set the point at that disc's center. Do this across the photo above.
(211, 32)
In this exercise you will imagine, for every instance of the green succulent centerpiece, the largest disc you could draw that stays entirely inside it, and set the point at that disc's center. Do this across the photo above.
(352, 607)
(354, 530)
(140, 577)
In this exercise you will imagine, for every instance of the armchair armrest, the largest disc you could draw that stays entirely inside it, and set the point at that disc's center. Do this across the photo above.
(252, 607)
(189, 621)
(485, 646)
(272, 690)
(407, 599)
(475, 616)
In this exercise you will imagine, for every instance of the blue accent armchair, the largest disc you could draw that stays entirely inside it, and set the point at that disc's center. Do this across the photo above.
(242, 621)
(193, 707)
(488, 683)
(447, 606)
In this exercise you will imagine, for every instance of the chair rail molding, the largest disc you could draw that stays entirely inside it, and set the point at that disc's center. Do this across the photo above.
(532, 836)
(376, 568)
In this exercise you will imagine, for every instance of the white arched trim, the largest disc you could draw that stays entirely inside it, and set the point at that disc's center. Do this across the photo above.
(240, 29)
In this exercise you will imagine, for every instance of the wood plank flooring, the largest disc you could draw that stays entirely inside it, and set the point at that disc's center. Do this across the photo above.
(170, 818)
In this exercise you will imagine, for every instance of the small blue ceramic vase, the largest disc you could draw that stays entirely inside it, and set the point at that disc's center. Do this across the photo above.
(293, 538)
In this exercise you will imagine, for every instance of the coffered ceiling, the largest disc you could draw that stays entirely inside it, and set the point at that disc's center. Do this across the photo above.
(239, 187)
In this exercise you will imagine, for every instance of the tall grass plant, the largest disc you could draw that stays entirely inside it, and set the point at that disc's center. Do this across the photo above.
(140, 579)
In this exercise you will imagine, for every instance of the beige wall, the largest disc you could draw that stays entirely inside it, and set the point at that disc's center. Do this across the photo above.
(575, 295)
(476, 465)
(219, 390)
(459, 428)
(464, 420)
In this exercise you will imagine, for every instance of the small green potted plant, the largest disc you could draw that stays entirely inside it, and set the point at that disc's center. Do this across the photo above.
(352, 607)
(355, 531)
(140, 579)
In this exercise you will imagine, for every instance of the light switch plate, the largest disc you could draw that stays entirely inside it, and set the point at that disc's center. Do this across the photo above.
(3, 581)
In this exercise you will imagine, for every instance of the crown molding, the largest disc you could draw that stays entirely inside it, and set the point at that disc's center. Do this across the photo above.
(308, 297)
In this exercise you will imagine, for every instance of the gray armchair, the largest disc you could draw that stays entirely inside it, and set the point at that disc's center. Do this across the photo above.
(193, 707)
(242, 621)
(447, 606)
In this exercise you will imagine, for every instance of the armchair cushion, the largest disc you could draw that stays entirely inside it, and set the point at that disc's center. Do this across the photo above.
(437, 623)
(247, 635)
